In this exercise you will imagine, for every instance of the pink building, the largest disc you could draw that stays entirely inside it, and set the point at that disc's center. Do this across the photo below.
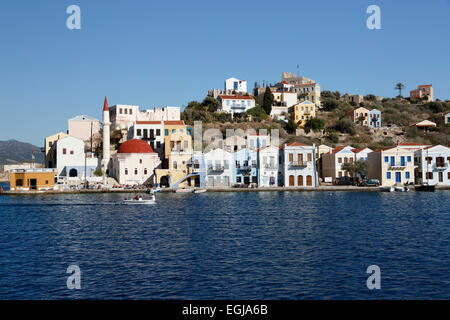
(83, 127)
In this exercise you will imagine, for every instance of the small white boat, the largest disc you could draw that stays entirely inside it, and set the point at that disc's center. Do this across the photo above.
(387, 189)
(401, 189)
(140, 200)
(183, 190)
(199, 190)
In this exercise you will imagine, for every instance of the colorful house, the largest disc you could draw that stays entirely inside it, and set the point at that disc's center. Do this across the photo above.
(432, 165)
(375, 118)
(421, 91)
(392, 166)
(299, 165)
(304, 111)
(359, 115)
(245, 167)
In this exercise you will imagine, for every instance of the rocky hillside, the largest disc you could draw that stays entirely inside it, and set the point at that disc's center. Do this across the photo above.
(13, 151)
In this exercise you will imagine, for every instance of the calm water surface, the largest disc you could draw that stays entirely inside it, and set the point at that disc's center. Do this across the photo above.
(268, 245)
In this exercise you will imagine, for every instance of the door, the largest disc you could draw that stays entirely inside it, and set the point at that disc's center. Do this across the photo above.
(33, 184)
(300, 181)
(291, 181)
(398, 177)
(246, 180)
(300, 158)
(441, 176)
(309, 181)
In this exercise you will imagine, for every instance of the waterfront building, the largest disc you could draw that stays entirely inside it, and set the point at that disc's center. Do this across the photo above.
(32, 179)
(422, 91)
(303, 112)
(432, 165)
(375, 118)
(49, 141)
(235, 103)
(299, 165)
(235, 143)
(186, 169)
(134, 163)
(320, 151)
(270, 170)
(332, 162)
(71, 160)
(362, 153)
(83, 127)
(392, 165)
(150, 132)
(177, 137)
(245, 167)
(257, 140)
(219, 168)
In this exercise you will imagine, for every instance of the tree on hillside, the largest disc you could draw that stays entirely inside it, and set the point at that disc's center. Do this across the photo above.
(399, 86)
(268, 101)
(291, 126)
(314, 124)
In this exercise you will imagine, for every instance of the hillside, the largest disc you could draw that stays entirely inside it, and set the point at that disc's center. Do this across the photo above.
(13, 151)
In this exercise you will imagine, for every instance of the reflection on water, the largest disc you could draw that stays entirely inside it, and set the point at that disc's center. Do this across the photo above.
(268, 245)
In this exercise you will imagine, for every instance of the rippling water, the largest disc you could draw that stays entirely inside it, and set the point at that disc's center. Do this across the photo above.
(268, 245)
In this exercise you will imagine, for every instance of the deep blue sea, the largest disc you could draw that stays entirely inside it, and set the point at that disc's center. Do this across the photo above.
(267, 245)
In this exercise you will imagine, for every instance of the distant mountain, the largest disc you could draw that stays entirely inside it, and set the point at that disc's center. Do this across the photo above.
(13, 151)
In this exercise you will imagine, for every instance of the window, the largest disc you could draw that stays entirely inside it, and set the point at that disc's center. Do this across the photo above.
(238, 179)
(152, 132)
(253, 163)
(174, 130)
(135, 171)
(339, 160)
(428, 159)
(386, 159)
(175, 165)
(238, 164)
(71, 152)
(166, 132)
(126, 111)
(158, 132)
(429, 175)
(407, 176)
(140, 161)
(139, 132)
(388, 175)
(145, 171)
(254, 179)
(120, 111)
(64, 151)
(291, 157)
(131, 111)
(158, 144)
(226, 165)
(126, 171)
(408, 158)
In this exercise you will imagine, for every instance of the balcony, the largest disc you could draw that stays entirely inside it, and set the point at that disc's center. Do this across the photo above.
(271, 166)
(244, 168)
(216, 169)
(397, 166)
(440, 166)
(299, 164)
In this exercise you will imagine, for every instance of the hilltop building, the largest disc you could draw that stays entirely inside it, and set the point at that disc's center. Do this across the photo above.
(422, 91)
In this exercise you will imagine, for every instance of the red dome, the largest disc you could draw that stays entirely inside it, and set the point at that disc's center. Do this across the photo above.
(135, 146)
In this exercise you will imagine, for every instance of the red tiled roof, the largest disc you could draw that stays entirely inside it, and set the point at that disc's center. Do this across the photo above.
(294, 144)
(148, 122)
(358, 150)
(410, 144)
(105, 105)
(174, 122)
(135, 146)
(236, 97)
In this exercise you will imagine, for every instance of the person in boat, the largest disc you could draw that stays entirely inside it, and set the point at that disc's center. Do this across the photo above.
(136, 197)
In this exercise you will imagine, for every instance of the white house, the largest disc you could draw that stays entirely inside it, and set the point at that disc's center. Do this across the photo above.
(236, 85)
(299, 165)
(71, 159)
(218, 168)
(257, 140)
(83, 127)
(134, 163)
(236, 103)
(270, 171)
(361, 154)
(151, 132)
(432, 165)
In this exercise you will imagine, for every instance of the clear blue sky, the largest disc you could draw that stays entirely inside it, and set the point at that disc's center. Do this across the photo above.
(155, 53)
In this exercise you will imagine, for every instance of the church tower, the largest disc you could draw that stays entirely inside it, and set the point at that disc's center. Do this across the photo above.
(106, 137)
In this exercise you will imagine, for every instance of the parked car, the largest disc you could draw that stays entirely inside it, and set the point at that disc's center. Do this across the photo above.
(344, 181)
(370, 183)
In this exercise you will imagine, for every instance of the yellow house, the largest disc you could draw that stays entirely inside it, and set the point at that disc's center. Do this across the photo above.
(49, 142)
(359, 115)
(178, 169)
(33, 179)
(303, 112)
(176, 137)
(392, 166)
